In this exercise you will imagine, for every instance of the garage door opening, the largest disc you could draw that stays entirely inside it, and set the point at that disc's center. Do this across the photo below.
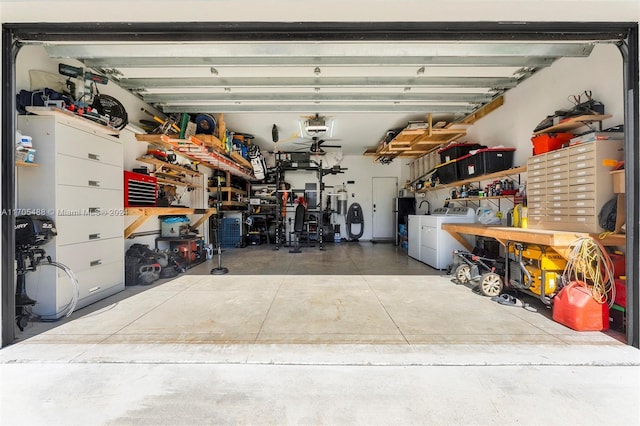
(84, 36)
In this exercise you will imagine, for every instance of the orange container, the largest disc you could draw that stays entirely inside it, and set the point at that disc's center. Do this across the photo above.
(574, 307)
(545, 142)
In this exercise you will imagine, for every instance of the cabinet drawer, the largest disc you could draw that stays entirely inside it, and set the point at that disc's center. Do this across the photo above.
(75, 172)
(536, 166)
(559, 153)
(557, 183)
(581, 172)
(88, 201)
(585, 164)
(582, 149)
(537, 192)
(582, 203)
(533, 211)
(554, 211)
(532, 186)
(583, 211)
(588, 187)
(557, 197)
(560, 175)
(536, 159)
(557, 162)
(98, 280)
(559, 204)
(91, 255)
(586, 156)
(590, 220)
(537, 177)
(556, 219)
(576, 196)
(558, 190)
(95, 148)
(81, 229)
(582, 180)
(536, 205)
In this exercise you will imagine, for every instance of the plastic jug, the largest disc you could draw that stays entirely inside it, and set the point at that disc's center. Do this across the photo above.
(575, 307)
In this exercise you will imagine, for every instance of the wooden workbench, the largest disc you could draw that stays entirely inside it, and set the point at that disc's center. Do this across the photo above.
(559, 240)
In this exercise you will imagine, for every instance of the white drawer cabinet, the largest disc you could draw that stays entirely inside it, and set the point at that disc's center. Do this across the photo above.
(79, 186)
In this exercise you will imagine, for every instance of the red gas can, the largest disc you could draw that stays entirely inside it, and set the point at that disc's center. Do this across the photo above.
(575, 307)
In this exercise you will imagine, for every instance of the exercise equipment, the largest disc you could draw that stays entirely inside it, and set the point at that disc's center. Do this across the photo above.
(354, 217)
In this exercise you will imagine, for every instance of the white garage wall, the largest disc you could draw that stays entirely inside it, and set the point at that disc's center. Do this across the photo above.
(526, 105)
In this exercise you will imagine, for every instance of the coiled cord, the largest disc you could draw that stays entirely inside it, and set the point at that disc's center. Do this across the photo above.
(67, 309)
(589, 263)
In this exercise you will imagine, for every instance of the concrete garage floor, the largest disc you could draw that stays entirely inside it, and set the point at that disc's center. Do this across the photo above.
(357, 334)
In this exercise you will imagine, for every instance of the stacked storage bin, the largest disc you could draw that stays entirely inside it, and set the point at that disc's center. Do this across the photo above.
(448, 169)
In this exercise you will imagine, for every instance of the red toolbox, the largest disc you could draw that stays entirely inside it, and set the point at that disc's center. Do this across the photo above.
(483, 161)
(545, 142)
(139, 190)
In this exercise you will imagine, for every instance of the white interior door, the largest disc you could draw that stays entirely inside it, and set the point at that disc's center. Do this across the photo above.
(385, 189)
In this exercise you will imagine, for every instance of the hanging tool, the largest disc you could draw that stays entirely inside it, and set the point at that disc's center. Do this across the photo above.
(169, 123)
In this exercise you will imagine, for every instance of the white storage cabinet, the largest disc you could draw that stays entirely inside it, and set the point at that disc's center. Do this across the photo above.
(78, 184)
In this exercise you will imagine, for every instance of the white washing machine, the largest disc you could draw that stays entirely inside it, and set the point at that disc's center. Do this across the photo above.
(430, 244)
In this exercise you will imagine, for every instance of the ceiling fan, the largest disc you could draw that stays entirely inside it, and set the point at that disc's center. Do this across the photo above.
(316, 145)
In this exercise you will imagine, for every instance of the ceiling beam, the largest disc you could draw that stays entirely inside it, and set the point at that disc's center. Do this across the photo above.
(373, 60)
(316, 49)
(273, 82)
(319, 108)
(169, 98)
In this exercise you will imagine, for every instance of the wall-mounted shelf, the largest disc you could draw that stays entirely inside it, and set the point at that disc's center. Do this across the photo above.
(414, 143)
(490, 176)
(171, 174)
(24, 164)
(227, 193)
(170, 166)
(574, 123)
(202, 149)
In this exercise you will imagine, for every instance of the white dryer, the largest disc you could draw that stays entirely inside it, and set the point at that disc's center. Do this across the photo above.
(430, 244)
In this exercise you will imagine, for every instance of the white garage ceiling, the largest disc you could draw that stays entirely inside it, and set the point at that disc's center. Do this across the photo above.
(363, 86)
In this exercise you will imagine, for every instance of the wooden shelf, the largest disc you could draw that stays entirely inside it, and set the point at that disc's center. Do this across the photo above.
(164, 164)
(24, 164)
(235, 204)
(176, 182)
(573, 123)
(414, 143)
(83, 122)
(490, 176)
(205, 150)
(227, 189)
(145, 213)
(495, 197)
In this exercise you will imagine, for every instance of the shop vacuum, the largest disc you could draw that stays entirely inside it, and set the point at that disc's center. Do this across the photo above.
(31, 232)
